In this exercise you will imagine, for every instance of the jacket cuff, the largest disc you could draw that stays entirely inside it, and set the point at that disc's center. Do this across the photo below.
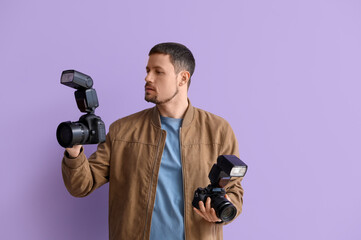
(74, 162)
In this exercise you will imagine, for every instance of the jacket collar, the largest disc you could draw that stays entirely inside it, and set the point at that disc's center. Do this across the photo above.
(187, 119)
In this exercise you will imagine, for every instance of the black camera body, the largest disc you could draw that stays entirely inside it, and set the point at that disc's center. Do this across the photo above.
(90, 129)
(227, 166)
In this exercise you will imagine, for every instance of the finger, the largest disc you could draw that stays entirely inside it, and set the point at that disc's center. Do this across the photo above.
(213, 219)
(208, 205)
(198, 212)
(202, 215)
(211, 213)
(203, 211)
(214, 216)
(201, 207)
(208, 213)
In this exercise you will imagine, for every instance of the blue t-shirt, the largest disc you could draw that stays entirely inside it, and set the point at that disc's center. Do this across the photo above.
(168, 212)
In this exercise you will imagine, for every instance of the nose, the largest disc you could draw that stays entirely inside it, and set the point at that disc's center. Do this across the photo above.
(148, 78)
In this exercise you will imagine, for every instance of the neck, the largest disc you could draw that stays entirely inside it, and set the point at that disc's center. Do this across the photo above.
(173, 109)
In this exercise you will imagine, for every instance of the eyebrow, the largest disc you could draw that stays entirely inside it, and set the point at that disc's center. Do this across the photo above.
(154, 67)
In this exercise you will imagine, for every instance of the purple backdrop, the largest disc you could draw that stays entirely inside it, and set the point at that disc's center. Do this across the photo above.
(285, 74)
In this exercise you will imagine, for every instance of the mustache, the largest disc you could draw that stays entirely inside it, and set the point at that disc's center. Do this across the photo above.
(147, 85)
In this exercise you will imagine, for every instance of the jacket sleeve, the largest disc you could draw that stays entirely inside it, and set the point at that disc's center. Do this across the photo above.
(233, 188)
(82, 176)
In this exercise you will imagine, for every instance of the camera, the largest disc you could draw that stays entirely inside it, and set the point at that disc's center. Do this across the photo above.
(227, 166)
(90, 129)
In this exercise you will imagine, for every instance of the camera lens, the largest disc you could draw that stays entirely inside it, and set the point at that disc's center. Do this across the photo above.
(65, 134)
(224, 209)
(69, 134)
(227, 213)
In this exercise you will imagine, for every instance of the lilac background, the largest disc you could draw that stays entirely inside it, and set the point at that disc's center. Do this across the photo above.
(285, 74)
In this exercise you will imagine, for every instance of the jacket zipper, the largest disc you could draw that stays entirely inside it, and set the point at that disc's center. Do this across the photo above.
(151, 184)
(184, 199)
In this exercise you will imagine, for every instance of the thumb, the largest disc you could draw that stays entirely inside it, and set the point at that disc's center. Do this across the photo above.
(227, 197)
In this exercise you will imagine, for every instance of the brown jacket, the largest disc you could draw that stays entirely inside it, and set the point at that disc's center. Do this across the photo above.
(130, 158)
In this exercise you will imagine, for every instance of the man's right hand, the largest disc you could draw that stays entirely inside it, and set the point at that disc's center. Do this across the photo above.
(74, 151)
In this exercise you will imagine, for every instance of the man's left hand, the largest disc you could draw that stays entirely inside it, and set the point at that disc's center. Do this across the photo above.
(208, 213)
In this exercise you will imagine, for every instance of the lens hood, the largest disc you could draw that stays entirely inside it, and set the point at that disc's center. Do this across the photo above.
(69, 134)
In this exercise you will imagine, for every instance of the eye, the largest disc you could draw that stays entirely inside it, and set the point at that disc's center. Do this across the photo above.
(158, 72)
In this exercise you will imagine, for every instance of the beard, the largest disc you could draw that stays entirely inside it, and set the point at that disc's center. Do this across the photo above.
(154, 99)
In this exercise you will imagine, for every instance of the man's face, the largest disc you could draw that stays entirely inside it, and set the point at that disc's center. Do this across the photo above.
(161, 80)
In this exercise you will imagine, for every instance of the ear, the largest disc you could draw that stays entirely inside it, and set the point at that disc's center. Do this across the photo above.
(184, 75)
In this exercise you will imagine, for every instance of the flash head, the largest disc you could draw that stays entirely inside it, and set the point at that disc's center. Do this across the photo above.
(232, 165)
(75, 79)
(227, 166)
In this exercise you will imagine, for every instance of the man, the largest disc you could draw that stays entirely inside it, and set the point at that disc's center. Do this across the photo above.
(155, 159)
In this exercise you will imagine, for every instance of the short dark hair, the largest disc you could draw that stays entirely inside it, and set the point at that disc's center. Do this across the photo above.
(180, 56)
